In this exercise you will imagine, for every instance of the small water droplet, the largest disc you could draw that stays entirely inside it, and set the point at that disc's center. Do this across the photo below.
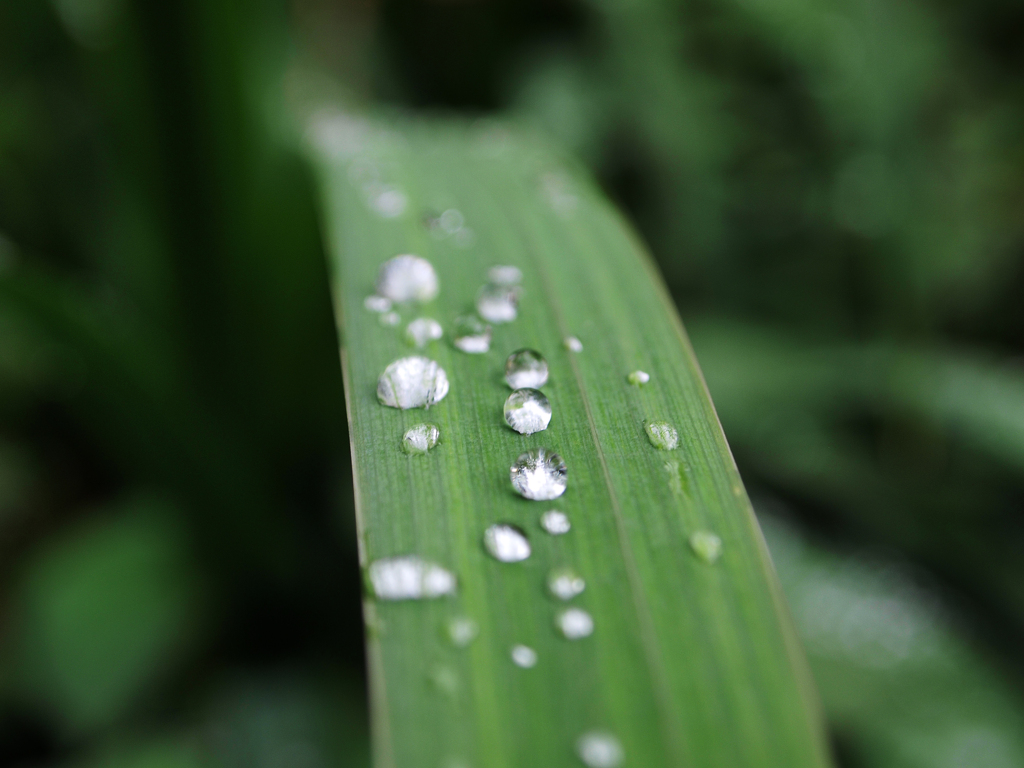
(527, 411)
(565, 583)
(422, 331)
(407, 278)
(377, 304)
(410, 577)
(412, 382)
(390, 319)
(524, 656)
(462, 631)
(472, 335)
(599, 749)
(639, 378)
(573, 344)
(554, 522)
(445, 679)
(506, 543)
(526, 368)
(498, 303)
(388, 202)
(574, 623)
(539, 474)
(420, 438)
(451, 221)
(706, 545)
(505, 275)
(662, 435)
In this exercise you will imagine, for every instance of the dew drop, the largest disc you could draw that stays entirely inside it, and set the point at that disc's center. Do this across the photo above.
(462, 631)
(506, 543)
(706, 545)
(390, 319)
(420, 438)
(407, 278)
(573, 344)
(451, 221)
(505, 275)
(539, 474)
(498, 303)
(472, 335)
(526, 368)
(565, 583)
(598, 749)
(412, 382)
(527, 411)
(389, 202)
(638, 378)
(377, 304)
(422, 331)
(574, 623)
(662, 435)
(554, 522)
(524, 656)
(410, 577)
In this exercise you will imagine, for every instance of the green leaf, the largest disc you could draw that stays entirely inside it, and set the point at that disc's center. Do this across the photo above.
(691, 662)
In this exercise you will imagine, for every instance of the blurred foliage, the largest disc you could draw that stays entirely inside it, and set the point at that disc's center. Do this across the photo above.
(832, 188)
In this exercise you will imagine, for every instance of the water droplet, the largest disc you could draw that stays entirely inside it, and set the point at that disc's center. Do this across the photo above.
(526, 368)
(410, 577)
(539, 474)
(390, 319)
(557, 188)
(412, 382)
(574, 623)
(505, 275)
(462, 631)
(498, 303)
(565, 583)
(706, 545)
(465, 237)
(452, 221)
(472, 335)
(389, 202)
(676, 477)
(527, 411)
(638, 378)
(506, 543)
(524, 656)
(377, 304)
(422, 331)
(445, 679)
(573, 344)
(598, 749)
(420, 438)
(662, 435)
(554, 522)
(407, 278)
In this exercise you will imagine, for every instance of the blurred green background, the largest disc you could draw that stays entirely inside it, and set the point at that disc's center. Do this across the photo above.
(833, 189)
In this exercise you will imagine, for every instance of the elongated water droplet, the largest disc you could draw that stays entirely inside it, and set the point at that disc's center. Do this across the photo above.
(390, 319)
(498, 303)
(554, 522)
(420, 438)
(462, 631)
(377, 304)
(407, 278)
(412, 382)
(505, 275)
(706, 545)
(527, 411)
(506, 543)
(662, 435)
(639, 378)
(565, 583)
(573, 344)
(422, 331)
(410, 577)
(676, 477)
(524, 656)
(526, 368)
(574, 623)
(472, 335)
(599, 749)
(539, 474)
(452, 221)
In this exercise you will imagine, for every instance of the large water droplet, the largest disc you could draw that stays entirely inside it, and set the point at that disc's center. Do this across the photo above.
(599, 749)
(412, 382)
(498, 303)
(524, 656)
(554, 522)
(574, 623)
(573, 344)
(506, 543)
(377, 304)
(662, 435)
(462, 631)
(526, 368)
(527, 411)
(565, 583)
(638, 378)
(472, 335)
(505, 275)
(422, 331)
(410, 577)
(407, 278)
(539, 474)
(420, 438)
(706, 545)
